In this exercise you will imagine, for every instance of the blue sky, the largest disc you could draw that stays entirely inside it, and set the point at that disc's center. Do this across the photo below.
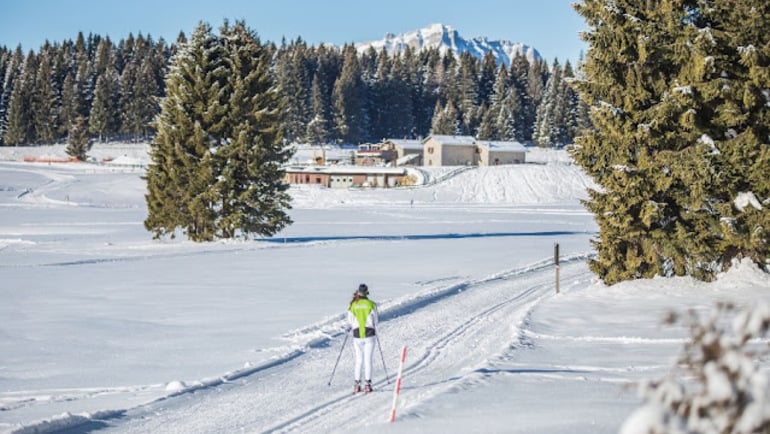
(551, 26)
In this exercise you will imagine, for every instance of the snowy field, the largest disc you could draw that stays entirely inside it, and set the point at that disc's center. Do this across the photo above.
(106, 330)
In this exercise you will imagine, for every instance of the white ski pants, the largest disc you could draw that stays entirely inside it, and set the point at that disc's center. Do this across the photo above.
(364, 349)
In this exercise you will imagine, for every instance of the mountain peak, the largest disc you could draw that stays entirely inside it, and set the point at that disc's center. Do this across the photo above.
(444, 38)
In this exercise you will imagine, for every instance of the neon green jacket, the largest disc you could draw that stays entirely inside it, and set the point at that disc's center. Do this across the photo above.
(362, 314)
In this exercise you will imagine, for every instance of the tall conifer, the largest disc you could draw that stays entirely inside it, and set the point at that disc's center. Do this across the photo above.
(678, 116)
(251, 198)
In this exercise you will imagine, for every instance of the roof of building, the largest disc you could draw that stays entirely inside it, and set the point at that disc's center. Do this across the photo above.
(406, 143)
(347, 170)
(503, 146)
(454, 140)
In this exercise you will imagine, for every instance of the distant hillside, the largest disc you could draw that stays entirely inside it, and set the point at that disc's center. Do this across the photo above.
(446, 38)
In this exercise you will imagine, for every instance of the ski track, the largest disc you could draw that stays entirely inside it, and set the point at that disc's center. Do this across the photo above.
(265, 398)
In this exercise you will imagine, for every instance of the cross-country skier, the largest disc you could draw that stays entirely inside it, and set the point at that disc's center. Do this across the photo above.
(362, 322)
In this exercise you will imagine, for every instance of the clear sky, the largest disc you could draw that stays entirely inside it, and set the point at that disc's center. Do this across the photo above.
(550, 26)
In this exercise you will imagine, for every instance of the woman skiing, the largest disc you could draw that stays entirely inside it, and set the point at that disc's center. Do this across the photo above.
(362, 321)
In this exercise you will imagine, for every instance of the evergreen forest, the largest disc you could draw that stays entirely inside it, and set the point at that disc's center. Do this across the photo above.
(96, 89)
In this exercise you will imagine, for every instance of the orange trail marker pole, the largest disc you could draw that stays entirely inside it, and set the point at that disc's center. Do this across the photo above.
(397, 389)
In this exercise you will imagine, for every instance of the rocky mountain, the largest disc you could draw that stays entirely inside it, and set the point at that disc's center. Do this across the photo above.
(446, 38)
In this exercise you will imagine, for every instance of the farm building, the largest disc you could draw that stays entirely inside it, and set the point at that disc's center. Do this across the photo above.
(496, 153)
(345, 176)
(441, 150)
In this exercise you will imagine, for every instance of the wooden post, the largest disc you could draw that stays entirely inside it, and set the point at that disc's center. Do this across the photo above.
(556, 263)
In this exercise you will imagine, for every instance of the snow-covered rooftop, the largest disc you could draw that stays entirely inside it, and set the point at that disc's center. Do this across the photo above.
(454, 140)
(347, 169)
(503, 146)
(407, 143)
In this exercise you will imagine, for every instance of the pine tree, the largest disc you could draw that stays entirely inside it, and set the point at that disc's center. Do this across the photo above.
(430, 74)
(468, 94)
(70, 109)
(250, 194)
(78, 143)
(138, 93)
(318, 128)
(734, 82)
(628, 72)
(547, 117)
(329, 64)
(189, 127)
(295, 80)
(525, 115)
(104, 116)
(445, 120)
(570, 115)
(378, 93)
(5, 67)
(20, 127)
(395, 102)
(216, 160)
(349, 100)
(509, 117)
(488, 127)
(45, 100)
(487, 79)
(680, 134)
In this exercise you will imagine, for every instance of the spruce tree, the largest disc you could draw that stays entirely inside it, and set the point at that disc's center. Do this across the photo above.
(396, 102)
(317, 131)
(524, 116)
(509, 117)
(445, 121)
(349, 100)
(295, 80)
(680, 135)
(5, 68)
(627, 70)
(487, 78)
(70, 108)
(734, 82)
(20, 126)
(468, 93)
(488, 125)
(216, 169)
(251, 198)
(77, 142)
(45, 100)
(104, 116)
(547, 121)
(188, 129)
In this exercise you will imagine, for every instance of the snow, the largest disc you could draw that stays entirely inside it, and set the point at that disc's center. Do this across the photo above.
(745, 199)
(107, 330)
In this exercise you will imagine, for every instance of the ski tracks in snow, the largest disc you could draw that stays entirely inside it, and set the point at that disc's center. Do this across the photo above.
(452, 332)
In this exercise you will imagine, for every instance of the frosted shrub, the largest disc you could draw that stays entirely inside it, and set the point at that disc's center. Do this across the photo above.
(717, 385)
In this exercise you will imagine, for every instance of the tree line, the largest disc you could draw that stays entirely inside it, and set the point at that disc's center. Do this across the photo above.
(89, 88)
(92, 89)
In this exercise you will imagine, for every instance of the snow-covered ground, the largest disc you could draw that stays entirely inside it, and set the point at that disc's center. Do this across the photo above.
(104, 329)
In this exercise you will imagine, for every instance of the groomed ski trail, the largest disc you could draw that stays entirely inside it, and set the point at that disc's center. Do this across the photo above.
(450, 332)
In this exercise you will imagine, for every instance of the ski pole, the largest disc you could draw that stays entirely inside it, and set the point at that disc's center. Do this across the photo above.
(338, 358)
(383, 358)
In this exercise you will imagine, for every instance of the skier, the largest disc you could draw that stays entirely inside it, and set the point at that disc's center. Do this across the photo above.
(362, 323)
